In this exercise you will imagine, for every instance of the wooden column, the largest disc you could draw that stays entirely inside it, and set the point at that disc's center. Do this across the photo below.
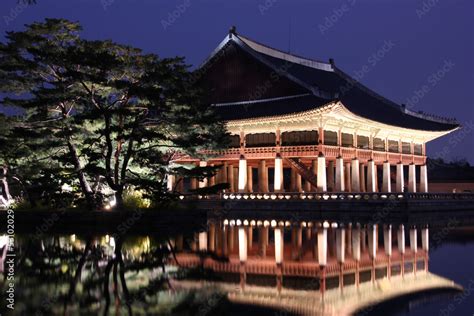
(423, 179)
(363, 181)
(278, 178)
(400, 177)
(230, 178)
(347, 177)
(340, 183)
(242, 181)
(355, 183)
(412, 178)
(262, 176)
(321, 176)
(387, 183)
(249, 179)
(331, 179)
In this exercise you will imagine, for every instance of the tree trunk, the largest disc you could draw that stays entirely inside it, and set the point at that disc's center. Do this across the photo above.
(119, 199)
(4, 183)
(85, 187)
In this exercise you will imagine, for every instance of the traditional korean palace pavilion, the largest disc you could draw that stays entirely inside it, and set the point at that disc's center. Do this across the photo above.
(300, 125)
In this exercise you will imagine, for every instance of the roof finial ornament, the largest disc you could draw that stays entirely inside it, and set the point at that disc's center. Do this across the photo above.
(233, 30)
(331, 61)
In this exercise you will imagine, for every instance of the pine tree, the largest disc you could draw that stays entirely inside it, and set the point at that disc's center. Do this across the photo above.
(109, 111)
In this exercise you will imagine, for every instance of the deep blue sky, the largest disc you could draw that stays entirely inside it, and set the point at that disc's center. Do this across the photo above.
(425, 34)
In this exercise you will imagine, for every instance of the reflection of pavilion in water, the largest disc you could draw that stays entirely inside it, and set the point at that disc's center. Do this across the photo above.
(322, 259)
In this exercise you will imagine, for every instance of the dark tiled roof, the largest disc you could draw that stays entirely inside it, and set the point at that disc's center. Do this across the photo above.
(357, 98)
(245, 110)
(327, 83)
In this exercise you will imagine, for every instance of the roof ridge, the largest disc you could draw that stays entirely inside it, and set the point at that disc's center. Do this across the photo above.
(429, 116)
(273, 52)
(264, 100)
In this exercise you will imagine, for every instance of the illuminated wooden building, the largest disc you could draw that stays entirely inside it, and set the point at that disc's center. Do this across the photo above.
(303, 125)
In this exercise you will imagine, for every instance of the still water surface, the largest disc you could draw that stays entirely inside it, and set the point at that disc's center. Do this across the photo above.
(249, 267)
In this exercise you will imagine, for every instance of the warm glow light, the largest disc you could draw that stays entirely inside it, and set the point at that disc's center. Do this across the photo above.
(242, 244)
(321, 180)
(3, 240)
(112, 242)
(322, 245)
(278, 245)
(203, 241)
(242, 174)
(278, 174)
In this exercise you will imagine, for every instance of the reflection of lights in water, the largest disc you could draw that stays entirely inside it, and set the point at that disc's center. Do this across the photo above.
(278, 246)
(203, 241)
(146, 244)
(107, 238)
(3, 241)
(112, 242)
(73, 237)
(242, 244)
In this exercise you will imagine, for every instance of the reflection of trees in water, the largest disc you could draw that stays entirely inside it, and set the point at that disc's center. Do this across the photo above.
(68, 276)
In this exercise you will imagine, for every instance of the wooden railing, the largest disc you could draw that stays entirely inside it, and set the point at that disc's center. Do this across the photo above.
(314, 150)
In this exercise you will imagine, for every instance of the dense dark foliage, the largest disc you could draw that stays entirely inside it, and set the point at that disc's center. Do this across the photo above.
(98, 115)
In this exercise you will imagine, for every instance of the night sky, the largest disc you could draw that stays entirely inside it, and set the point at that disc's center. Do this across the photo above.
(428, 64)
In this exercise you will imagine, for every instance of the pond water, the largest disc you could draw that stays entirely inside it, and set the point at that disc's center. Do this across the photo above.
(246, 266)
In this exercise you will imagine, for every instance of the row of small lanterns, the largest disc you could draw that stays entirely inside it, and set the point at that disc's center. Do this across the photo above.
(275, 223)
(304, 196)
